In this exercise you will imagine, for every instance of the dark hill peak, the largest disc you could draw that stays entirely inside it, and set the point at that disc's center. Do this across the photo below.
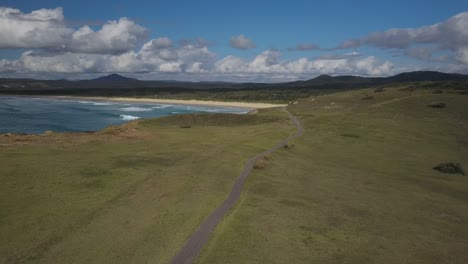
(418, 76)
(114, 78)
(323, 77)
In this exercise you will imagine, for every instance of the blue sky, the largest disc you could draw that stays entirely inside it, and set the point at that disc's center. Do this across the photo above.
(270, 31)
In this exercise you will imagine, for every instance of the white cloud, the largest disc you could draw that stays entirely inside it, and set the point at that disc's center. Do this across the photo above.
(59, 50)
(241, 42)
(190, 59)
(450, 35)
(42, 28)
(114, 37)
(45, 28)
(158, 43)
(268, 62)
(167, 58)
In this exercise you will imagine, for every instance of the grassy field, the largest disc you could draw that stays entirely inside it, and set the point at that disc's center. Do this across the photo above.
(129, 194)
(358, 187)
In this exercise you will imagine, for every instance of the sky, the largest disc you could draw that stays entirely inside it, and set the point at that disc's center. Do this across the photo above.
(259, 41)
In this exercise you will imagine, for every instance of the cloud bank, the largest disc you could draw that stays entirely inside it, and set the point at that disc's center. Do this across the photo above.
(54, 48)
(423, 42)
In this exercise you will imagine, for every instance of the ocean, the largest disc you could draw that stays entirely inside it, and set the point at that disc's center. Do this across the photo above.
(34, 115)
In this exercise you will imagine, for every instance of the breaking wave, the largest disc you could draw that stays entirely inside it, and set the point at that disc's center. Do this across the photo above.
(129, 117)
(94, 103)
(161, 106)
(136, 109)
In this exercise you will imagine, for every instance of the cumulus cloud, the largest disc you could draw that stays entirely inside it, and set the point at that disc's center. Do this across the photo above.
(117, 46)
(46, 29)
(241, 42)
(268, 62)
(421, 53)
(305, 47)
(68, 62)
(114, 37)
(188, 57)
(450, 35)
(42, 28)
(159, 43)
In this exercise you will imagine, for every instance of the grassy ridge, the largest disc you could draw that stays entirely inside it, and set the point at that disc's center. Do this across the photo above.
(129, 194)
(358, 187)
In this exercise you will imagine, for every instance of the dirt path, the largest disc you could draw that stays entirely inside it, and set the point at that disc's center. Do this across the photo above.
(197, 240)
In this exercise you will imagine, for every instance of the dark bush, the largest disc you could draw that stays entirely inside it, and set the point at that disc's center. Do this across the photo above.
(450, 167)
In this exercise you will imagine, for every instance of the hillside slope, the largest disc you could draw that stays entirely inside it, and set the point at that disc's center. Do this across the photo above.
(358, 186)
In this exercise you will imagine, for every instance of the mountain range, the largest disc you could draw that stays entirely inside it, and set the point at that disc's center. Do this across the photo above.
(116, 81)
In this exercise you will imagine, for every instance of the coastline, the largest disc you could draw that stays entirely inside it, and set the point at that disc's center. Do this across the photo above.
(172, 101)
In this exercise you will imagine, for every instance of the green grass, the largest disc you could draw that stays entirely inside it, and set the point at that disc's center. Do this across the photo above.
(358, 187)
(130, 194)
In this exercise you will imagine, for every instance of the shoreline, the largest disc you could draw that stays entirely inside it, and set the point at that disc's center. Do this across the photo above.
(245, 105)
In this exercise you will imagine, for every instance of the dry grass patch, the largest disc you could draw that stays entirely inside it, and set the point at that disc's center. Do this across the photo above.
(260, 163)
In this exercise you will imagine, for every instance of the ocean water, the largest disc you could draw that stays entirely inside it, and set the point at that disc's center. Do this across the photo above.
(32, 115)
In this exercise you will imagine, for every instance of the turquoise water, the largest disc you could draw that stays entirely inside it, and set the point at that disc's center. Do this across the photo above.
(32, 115)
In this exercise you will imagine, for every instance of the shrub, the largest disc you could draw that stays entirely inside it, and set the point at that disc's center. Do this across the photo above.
(368, 97)
(450, 167)
(288, 145)
(437, 92)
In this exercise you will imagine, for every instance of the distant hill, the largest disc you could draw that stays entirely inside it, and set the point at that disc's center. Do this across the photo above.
(420, 76)
(114, 78)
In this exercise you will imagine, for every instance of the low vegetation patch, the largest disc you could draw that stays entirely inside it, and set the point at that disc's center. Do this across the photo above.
(368, 97)
(450, 167)
(437, 105)
(288, 145)
(211, 120)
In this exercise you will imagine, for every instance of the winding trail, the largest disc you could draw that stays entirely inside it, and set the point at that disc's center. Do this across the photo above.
(197, 240)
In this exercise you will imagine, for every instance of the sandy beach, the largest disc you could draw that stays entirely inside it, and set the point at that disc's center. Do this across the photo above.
(171, 101)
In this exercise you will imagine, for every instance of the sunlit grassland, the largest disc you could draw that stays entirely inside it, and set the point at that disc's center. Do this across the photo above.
(130, 194)
(358, 186)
